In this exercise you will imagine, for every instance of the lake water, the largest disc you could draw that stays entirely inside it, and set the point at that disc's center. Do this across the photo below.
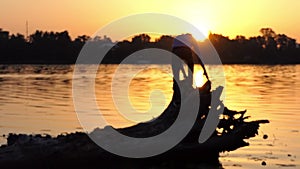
(38, 99)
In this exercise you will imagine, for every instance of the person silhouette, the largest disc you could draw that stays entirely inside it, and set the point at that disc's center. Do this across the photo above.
(183, 46)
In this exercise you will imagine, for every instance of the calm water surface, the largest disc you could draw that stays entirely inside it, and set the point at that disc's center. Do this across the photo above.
(38, 99)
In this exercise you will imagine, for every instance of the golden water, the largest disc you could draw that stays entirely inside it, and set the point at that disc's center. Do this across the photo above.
(38, 99)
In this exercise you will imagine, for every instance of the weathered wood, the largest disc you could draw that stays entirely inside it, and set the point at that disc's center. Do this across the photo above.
(77, 150)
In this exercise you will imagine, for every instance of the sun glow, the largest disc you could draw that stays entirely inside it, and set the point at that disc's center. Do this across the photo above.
(199, 78)
(205, 32)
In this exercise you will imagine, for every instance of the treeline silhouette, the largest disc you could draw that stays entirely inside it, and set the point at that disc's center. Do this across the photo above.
(44, 47)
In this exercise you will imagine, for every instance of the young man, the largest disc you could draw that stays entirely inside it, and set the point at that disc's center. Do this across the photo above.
(183, 47)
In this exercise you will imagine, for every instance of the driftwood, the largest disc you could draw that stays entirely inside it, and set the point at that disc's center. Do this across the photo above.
(76, 150)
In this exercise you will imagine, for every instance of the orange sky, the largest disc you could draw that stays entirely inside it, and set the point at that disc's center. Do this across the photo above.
(227, 17)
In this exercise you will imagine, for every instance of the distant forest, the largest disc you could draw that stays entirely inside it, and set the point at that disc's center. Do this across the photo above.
(44, 47)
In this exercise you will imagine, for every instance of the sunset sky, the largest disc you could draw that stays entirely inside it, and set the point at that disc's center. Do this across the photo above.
(227, 17)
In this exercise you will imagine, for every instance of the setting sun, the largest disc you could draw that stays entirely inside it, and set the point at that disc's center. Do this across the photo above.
(204, 31)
